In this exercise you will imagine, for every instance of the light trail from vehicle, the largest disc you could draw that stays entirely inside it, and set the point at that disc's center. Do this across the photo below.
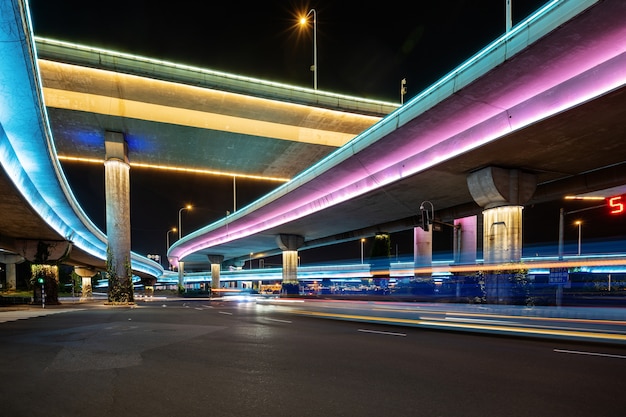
(453, 317)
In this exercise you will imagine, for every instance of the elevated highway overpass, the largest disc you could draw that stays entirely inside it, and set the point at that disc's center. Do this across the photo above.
(177, 116)
(522, 103)
(59, 100)
(546, 100)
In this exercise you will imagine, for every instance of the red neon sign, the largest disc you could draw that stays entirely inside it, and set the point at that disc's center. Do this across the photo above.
(616, 204)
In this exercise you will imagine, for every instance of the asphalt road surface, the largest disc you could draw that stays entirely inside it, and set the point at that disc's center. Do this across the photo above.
(228, 358)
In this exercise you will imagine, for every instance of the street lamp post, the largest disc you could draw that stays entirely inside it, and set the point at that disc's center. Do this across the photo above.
(167, 240)
(173, 229)
(314, 67)
(579, 224)
(362, 241)
(562, 214)
(180, 226)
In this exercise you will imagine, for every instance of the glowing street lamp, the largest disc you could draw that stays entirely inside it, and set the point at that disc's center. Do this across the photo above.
(303, 21)
(180, 226)
(173, 229)
(562, 214)
(579, 224)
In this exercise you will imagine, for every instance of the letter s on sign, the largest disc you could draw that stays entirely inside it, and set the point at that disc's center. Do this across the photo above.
(616, 205)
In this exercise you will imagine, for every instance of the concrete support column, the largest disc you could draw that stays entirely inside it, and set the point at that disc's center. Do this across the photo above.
(216, 266)
(11, 274)
(10, 260)
(289, 245)
(86, 274)
(290, 267)
(502, 193)
(465, 239)
(423, 249)
(502, 231)
(181, 274)
(117, 190)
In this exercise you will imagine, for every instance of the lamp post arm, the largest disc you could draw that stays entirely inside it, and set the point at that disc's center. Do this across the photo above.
(562, 214)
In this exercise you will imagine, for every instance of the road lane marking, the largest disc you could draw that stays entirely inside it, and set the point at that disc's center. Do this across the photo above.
(380, 332)
(278, 320)
(488, 321)
(580, 352)
(226, 312)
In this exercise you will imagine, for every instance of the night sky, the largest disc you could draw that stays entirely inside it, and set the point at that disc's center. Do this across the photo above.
(362, 51)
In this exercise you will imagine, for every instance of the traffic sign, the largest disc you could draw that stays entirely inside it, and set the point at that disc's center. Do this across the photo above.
(558, 276)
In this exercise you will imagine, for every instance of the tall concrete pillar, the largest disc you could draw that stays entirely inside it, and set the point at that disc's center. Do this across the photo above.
(181, 275)
(11, 275)
(216, 266)
(180, 266)
(465, 240)
(502, 193)
(502, 231)
(290, 244)
(86, 274)
(423, 250)
(117, 190)
(10, 260)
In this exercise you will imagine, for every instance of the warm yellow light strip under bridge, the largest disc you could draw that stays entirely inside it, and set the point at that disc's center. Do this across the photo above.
(112, 106)
(98, 91)
(177, 169)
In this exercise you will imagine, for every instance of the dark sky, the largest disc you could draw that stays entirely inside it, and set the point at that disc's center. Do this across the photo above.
(363, 50)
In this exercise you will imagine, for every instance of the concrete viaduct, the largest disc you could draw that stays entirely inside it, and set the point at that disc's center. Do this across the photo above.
(507, 127)
(535, 115)
(61, 101)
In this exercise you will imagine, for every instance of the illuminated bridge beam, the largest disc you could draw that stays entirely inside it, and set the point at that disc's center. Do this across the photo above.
(27, 152)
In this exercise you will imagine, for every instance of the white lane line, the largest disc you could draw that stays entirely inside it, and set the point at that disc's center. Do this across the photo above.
(198, 308)
(278, 320)
(578, 352)
(486, 321)
(385, 333)
(226, 312)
